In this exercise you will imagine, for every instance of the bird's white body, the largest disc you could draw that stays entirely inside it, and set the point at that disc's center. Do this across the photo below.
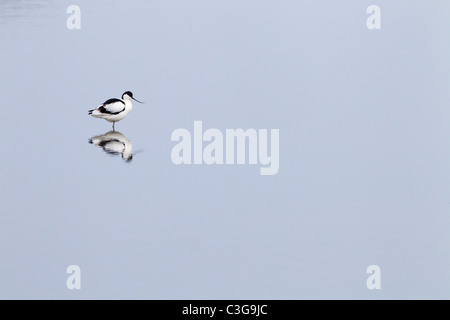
(114, 110)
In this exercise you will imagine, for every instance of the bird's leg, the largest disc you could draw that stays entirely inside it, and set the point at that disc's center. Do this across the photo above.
(113, 125)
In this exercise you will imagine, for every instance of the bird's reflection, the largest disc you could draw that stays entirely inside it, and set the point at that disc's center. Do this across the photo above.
(114, 143)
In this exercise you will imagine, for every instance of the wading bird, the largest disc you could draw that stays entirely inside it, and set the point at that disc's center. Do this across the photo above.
(114, 109)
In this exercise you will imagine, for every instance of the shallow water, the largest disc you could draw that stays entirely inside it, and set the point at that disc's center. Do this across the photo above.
(364, 133)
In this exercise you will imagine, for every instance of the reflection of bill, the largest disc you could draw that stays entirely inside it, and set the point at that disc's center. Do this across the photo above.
(114, 143)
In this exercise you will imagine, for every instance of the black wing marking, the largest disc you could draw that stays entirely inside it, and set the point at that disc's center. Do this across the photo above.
(111, 106)
(109, 101)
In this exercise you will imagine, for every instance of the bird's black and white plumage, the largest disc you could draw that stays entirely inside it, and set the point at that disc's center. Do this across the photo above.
(114, 109)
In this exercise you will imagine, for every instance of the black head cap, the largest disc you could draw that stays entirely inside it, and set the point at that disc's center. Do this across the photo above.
(128, 93)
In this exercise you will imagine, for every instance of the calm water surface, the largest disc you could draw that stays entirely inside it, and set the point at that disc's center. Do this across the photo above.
(364, 150)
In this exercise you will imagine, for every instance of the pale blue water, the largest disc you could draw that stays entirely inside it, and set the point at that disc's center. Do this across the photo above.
(364, 150)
